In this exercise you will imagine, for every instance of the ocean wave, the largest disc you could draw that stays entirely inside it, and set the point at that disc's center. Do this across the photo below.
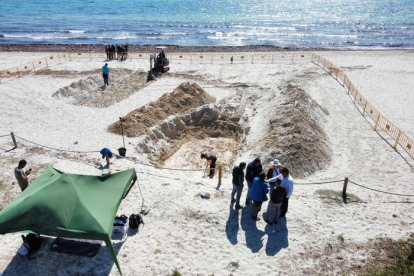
(72, 32)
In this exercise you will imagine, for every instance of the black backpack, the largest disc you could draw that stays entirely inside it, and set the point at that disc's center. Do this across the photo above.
(135, 220)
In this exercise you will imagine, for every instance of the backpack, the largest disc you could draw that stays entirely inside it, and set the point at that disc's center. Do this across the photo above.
(135, 220)
(32, 242)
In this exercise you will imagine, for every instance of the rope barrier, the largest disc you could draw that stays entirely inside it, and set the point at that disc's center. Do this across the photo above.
(4, 135)
(43, 146)
(319, 183)
(379, 191)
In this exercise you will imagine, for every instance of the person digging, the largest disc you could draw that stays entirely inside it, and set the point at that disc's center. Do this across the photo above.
(211, 160)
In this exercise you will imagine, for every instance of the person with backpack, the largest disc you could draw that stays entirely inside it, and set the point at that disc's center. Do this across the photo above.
(238, 178)
(252, 171)
(275, 203)
(258, 193)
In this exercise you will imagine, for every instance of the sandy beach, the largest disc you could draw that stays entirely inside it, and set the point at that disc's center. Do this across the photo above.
(292, 110)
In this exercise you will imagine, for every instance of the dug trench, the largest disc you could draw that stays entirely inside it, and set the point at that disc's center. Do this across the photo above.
(175, 129)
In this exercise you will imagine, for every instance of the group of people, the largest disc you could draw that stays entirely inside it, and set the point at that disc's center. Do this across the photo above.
(116, 52)
(277, 183)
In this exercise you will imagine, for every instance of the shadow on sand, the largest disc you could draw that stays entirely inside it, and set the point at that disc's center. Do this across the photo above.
(47, 262)
(277, 234)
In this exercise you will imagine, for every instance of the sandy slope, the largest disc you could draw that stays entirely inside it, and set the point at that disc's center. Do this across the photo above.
(202, 237)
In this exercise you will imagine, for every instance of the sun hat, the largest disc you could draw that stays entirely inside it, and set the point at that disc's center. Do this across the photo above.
(275, 162)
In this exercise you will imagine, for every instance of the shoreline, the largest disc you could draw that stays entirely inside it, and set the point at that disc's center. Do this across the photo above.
(175, 48)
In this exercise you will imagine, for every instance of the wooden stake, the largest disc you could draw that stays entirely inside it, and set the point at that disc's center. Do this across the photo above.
(398, 138)
(14, 140)
(220, 175)
(376, 122)
(344, 189)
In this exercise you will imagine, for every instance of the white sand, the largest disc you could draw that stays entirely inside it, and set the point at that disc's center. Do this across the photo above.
(202, 237)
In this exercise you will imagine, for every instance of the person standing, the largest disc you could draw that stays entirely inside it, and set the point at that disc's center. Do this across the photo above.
(105, 74)
(21, 175)
(211, 160)
(273, 171)
(252, 171)
(287, 183)
(238, 179)
(275, 203)
(258, 193)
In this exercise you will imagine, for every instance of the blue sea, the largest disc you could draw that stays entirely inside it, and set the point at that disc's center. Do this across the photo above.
(285, 23)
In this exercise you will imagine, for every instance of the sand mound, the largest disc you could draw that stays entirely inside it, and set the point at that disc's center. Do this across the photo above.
(92, 92)
(295, 135)
(185, 97)
(208, 121)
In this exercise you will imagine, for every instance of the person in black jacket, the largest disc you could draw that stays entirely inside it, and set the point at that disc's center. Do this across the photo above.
(276, 199)
(238, 179)
(252, 171)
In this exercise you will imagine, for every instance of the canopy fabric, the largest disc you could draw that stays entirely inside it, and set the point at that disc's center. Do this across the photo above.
(69, 205)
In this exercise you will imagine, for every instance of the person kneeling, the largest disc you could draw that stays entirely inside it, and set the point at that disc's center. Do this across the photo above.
(276, 199)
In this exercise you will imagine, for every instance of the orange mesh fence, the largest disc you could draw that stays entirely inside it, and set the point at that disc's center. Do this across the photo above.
(400, 137)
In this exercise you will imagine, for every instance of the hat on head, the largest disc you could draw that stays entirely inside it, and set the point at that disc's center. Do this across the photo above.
(275, 162)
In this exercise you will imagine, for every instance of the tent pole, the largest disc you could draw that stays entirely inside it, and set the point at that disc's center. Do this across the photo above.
(108, 243)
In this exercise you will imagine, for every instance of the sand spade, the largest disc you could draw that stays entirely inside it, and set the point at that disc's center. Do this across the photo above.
(122, 151)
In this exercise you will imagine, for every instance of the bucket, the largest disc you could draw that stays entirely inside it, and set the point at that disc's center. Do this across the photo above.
(122, 151)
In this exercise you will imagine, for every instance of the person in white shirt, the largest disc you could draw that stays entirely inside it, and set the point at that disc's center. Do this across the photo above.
(287, 183)
(274, 170)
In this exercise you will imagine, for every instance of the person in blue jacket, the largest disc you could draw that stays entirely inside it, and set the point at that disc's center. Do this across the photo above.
(252, 171)
(106, 154)
(258, 194)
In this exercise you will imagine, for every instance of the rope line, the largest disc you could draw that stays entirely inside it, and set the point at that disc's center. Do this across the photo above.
(43, 146)
(318, 183)
(375, 190)
(4, 135)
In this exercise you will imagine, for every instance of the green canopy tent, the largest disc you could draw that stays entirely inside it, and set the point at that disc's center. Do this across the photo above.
(69, 205)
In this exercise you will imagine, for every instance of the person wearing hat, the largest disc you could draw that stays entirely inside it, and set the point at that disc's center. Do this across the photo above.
(106, 154)
(274, 170)
(105, 74)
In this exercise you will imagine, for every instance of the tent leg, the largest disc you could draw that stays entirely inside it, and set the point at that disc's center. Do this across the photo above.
(108, 243)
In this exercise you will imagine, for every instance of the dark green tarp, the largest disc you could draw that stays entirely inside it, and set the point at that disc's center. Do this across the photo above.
(69, 205)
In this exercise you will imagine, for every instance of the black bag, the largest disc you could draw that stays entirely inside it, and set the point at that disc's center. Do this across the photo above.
(135, 220)
(34, 241)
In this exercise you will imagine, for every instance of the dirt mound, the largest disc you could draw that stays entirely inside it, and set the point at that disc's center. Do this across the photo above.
(92, 92)
(185, 97)
(208, 121)
(295, 134)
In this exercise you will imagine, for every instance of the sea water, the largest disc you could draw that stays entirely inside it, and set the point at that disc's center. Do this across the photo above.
(285, 23)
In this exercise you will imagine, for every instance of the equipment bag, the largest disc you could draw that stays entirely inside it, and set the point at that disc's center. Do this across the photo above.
(135, 220)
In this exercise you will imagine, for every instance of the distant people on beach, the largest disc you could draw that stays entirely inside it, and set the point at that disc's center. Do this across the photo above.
(22, 175)
(252, 171)
(105, 74)
(238, 179)
(211, 160)
(116, 52)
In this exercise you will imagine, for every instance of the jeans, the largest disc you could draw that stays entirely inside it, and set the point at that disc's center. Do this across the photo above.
(273, 212)
(285, 205)
(105, 77)
(249, 187)
(256, 209)
(237, 189)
